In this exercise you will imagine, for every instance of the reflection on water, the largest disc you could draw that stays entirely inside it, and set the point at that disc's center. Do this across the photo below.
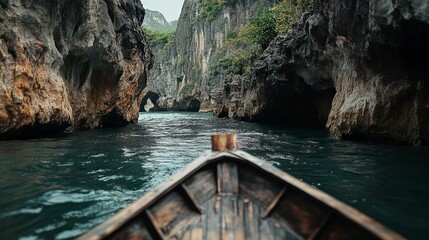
(59, 188)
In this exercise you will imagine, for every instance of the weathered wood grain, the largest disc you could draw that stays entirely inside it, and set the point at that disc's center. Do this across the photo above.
(190, 196)
(202, 184)
(232, 195)
(213, 219)
(303, 214)
(172, 212)
(136, 230)
(227, 178)
(274, 203)
(341, 228)
(153, 225)
(258, 186)
(229, 217)
(224, 142)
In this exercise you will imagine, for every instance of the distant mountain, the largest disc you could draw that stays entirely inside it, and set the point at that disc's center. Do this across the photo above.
(174, 24)
(155, 21)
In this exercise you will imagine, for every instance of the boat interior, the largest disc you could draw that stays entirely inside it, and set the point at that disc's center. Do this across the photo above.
(236, 196)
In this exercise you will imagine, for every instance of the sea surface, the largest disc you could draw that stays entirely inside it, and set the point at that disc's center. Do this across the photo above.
(59, 188)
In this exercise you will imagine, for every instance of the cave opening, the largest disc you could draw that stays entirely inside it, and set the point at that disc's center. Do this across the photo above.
(414, 48)
(190, 104)
(298, 102)
(309, 110)
(153, 97)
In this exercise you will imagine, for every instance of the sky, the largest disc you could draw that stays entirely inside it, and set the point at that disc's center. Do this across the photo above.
(169, 8)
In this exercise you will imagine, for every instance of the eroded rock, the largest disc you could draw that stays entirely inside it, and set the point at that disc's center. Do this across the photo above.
(70, 65)
(360, 61)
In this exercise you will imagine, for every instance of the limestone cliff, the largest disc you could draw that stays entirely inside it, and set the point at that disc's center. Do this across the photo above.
(357, 66)
(180, 69)
(155, 21)
(70, 65)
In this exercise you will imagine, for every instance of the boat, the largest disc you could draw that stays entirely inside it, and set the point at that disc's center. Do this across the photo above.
(229, 194)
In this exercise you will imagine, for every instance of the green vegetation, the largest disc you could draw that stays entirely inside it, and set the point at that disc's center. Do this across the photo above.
(287, 12)
(159, 38)
(241, 49)
(237, 54)
(212, 7)
(231, 34)
(262, 29)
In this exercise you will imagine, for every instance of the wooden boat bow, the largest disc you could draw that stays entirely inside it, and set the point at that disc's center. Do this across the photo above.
(229, 194)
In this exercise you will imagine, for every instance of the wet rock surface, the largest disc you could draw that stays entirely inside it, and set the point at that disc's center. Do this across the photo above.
(68, 65)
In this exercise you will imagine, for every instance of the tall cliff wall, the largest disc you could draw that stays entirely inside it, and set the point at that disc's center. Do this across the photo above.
(358, 67)
(70, 65)
(180, 69)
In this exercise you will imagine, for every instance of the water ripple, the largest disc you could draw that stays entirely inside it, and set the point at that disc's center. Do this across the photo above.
(60, 188)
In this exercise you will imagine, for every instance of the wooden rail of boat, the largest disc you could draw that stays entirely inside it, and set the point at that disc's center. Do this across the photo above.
(229, 194)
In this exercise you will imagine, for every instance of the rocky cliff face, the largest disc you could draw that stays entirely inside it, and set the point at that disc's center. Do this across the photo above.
(70, 65)
(180, 69)
(156, 21)
(357, 66)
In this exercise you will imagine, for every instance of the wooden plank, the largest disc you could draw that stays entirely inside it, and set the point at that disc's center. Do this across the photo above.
(273, 203)
(192, 199)
(266, 227)
(154, 225)
(250, 220)
(135, 230)
(197, 232)
(239, 223)
(213, 219)
(229, 216)
(282, 230)
(173, 212)
(355, 216)
(320, 227)
(193, 230)
(202, 184)
(303, 214)
(339, 227)
(227, 178)
(204, 226)
(251, 182)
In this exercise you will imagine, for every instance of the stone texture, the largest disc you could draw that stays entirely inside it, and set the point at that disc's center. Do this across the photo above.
(70, 65)
(180, 69)
(358, 66)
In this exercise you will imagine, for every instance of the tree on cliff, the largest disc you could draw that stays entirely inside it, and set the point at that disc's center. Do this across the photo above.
(287, 12)
(263, 29)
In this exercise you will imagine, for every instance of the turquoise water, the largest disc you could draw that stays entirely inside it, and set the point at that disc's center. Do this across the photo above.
(59, 188)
